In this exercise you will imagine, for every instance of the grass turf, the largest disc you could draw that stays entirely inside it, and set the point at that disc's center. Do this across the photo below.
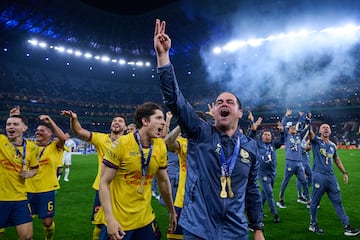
(75, 198)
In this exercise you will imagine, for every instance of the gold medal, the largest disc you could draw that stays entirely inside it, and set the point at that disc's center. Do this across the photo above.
(223, 193)
(141, 188)
(228, 183)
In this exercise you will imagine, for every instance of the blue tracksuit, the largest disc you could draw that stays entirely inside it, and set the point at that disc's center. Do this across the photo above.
(308, 172)
(293, 164)
(205, 214)
(267, 168)
(324, 179)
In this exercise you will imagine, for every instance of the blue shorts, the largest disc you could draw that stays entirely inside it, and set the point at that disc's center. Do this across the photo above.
(42, 204)
(96, 206)
(178, 234)
(149, 232)
(14, 213)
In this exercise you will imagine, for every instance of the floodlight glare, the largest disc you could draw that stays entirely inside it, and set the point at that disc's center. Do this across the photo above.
(122, 61)
(70, 51)
(139, 63)
(42, 44)
(217, 50)
(87, 55)
(105, 58)
(33, 42)
(78, 53)
(60, 49)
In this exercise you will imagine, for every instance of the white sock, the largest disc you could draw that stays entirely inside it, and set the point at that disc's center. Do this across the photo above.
(67, 171)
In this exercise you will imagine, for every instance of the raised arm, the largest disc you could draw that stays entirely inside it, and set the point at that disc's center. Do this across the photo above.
(170, 139)
(174, 100)
(75, 125)
(162, 43)
(60, 135)
(167, 124)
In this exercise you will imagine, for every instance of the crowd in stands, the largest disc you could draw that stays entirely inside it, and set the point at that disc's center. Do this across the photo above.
(48, 91)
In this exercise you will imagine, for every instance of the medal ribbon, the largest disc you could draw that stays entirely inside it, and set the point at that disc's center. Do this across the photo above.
(144, 162)
(23, 155)
(227, 166)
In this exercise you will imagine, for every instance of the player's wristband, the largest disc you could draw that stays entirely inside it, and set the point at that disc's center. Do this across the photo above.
(345, 173)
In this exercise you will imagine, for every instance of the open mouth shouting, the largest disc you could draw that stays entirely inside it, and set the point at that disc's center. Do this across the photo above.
(224, 112)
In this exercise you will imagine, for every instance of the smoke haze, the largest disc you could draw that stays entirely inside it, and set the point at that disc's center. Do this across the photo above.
(293, 70)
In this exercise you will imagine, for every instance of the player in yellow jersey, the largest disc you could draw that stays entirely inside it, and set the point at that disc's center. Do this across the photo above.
(101, 141)
(126, 179)
(41, 188)
(17, 162)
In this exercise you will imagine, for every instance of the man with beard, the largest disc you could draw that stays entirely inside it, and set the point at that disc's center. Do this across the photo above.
(221, 182)
(17, 162)
(101, 141)
(41, 188)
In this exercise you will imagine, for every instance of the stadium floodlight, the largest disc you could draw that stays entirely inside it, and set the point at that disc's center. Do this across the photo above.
(139, 63)
(60, 49)
(87, 55)
(255, 42)
(33, 42)
(42, 44)
(236, 44)
(78, 53)
(217, 50)
(105, 59)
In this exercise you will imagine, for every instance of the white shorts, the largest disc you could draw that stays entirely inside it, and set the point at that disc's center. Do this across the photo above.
(67, 158)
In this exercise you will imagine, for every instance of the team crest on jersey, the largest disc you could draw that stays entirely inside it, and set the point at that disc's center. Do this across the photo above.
(244, 156)
(133, 153)
(317, 185)
(114, 143)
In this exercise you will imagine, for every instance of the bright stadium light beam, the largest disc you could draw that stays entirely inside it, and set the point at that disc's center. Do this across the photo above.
(88, 55)
(60, 49)
(255, 42)
(78, 53)
(234, 45)
(33, 42)
(42, 44)
(217, 50)
(105, 59)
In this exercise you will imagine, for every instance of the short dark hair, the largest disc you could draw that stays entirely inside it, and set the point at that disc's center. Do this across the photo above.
(23, 119)
(145, 110)
(120, 116)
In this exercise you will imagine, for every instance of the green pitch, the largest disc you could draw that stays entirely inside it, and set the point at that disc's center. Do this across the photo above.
(75, 198)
